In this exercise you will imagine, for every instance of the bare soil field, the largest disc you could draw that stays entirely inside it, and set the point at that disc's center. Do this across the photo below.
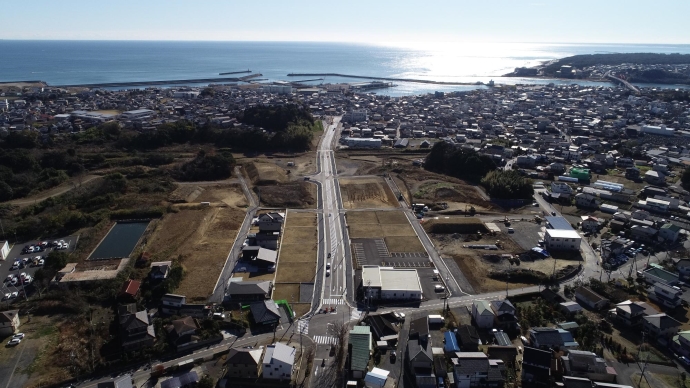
(230, 195)
(477, 264)
(265, 173)
(298, 249)
(364, 193)
(200, 239)
(404, 244)
(297, 194)
(287, 291)
(392, 226)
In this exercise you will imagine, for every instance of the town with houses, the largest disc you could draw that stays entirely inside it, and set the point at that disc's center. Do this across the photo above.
(606, 165)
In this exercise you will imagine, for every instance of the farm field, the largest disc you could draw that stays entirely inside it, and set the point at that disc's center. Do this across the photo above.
(199, 240)
(365, 193)
(297, 258)
(392, 226)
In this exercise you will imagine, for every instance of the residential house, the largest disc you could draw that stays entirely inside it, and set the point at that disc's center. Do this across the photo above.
(551, 296)
(171, 303)
(680, 343)
(130, 289)
(586, 200)
(590, 224)
(507, 354)
(579, 363)
(505, 314)
(242, 291)
(261, 257)
(468, 338)
(160, 269)
(669, 232)
(590, 299)
(629, 313)
(180, 331)
(188, 379)
(547, 337)
(195, 310)
(383, 328)
(271, 222)
(268, 240)
(683, 267)
(655, 275)
(124, 381)
(665, 295)
(244, 363)
(570, 308)
(265, 312)
(359, 350)
(278, 362)
(660, 326)
(536, 367)
(376, 378)
(9, 322)
(475, 369)
(136, 330)
(418, 354)
(482, 314)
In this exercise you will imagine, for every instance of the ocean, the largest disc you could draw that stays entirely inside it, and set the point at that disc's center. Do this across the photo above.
(82, 62)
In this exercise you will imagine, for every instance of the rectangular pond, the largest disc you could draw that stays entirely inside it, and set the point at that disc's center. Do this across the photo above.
(120, 241)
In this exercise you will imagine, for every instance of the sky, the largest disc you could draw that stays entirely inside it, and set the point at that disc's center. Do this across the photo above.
(370, 21)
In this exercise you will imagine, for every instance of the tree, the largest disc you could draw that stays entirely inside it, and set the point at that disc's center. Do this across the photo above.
(6, 191)
(56, 260)
(685, 179)
(205, 382)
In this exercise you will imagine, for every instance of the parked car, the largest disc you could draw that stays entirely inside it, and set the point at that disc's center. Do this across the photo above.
(9, 278)
(7, 296)
(219, 316)
(393, 356)
(14, 342)
(511, 230)
(439, 288)
(14, 295)
(19, 335)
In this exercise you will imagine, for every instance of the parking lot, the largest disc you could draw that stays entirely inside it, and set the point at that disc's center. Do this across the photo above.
(369, 251)
(525, 233)
(29, 269)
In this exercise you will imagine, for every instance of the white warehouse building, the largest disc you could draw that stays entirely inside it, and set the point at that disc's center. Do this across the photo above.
(559, 235)
(354, 142)
(389, 283)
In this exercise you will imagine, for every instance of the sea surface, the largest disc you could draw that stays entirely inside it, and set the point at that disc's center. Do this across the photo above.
(82, 62)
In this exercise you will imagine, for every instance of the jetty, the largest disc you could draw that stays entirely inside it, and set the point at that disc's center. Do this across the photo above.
(162, 82)
(422, 81)
(235, 72)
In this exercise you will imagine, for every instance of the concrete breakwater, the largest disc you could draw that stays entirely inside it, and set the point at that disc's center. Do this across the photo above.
(423, 81)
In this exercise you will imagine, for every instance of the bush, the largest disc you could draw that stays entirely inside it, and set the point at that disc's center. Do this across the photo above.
(507, 185)
(206, 168)
(461, 163)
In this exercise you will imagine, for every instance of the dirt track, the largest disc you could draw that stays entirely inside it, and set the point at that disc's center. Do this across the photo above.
(55, 191)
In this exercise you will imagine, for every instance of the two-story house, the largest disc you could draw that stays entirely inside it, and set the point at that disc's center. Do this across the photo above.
(418, 354)
(629, 313)
(278, 362)
(505, 314)
(661, 327)
(552, 338)
(665, 295)
(475, 369)
(579, 363)
(181, 331)
(9, 322)
(244, 363)
(242, 291)
(136, 330)
(160, 269)
(683, 268)
(171, 303)
(271, 222)
(482, 314)
(536, 367)
(680, 343)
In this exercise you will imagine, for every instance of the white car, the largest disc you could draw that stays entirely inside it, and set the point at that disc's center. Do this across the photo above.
(9, 278)
(14, 342)
(41, 262)
(19, 336)
(14, 295)
(7, 296)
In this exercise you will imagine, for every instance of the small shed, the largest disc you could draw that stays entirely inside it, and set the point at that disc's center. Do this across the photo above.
(451, 342)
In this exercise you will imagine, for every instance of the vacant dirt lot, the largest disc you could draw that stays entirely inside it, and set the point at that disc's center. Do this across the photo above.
(200, 239)
(365, 193)
(296, 194)
(298, 249)
(476, 266)
(265, 173)
(230, 195)
(392, 226)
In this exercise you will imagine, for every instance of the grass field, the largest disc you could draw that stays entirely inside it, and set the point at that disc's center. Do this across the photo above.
(299, 234)
(287, 291)
(364, 193)
(200, 239)
(392, 226)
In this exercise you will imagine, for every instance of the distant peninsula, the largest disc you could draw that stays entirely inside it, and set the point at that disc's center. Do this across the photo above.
(633, 67)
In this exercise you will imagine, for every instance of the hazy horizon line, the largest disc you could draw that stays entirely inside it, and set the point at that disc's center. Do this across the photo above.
(396, 43)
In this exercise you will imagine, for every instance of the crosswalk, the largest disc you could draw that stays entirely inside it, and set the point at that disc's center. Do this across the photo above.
(303, 326)
(333, 301)
(325, 340)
